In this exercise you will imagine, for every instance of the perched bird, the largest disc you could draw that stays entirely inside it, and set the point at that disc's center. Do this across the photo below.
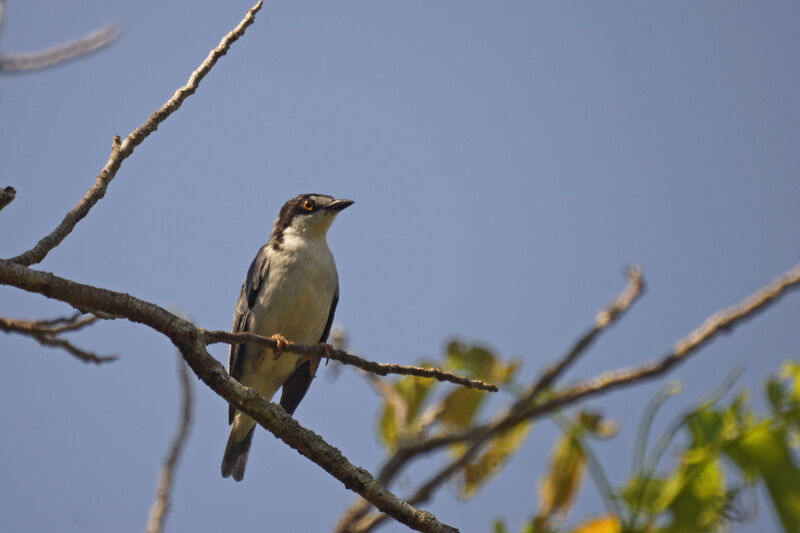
(290, 294)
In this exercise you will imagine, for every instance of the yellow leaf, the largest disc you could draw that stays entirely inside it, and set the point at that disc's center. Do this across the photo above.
(596, 423)
(476, 361)
(501, 448)
(602, 524)
(411, 393)
(388, 427)
(460, 407)
(557, 492)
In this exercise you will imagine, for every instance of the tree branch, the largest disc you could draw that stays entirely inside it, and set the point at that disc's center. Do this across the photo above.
(722, 321)
(314, 350)
(121, 150)
(46, 332)
(7, 196)
(61, 53)
(191, 341)
(158, 511)
(604, 319)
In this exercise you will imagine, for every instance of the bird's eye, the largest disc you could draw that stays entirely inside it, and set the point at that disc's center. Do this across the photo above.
(309, 205)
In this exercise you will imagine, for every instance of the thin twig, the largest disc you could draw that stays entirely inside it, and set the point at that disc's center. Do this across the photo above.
(722, 321)
(120, 150)
(604, 319)
(381, 369)
(7, 196)
(53, 326)
(61, 53)
(46, 332)
(160, 508)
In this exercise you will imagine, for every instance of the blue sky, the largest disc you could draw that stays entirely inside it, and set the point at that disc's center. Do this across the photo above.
(508, 160)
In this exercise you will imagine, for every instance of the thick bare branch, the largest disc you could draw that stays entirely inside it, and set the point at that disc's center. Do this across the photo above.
(191, 341)
(120, 150)
(7, 196)
(722, 321)
(61, 53)
(160, 508)
(46, 332)
(381, 369)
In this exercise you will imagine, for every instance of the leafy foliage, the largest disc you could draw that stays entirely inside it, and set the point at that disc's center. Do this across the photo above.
(728, 452)
(421, 411)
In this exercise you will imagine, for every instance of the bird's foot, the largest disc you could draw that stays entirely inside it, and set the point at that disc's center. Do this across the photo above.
(282, 344)
(313, 360)
(327, 351)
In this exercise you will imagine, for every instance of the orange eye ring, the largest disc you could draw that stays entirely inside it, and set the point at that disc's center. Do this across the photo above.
(309, 205)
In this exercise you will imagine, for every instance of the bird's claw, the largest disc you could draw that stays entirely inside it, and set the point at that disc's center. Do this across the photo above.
(281, 344)
(313, 360)
(327, 351)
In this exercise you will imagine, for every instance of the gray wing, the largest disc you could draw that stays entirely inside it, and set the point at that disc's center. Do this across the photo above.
(243, 316)
(297, 385)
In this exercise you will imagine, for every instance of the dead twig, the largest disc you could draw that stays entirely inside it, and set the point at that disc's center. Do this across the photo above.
(160, 508)
(61, 53)
(604, 319)
(46, 333)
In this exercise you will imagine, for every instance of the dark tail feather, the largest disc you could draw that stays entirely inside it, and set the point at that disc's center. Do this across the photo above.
(235, 458)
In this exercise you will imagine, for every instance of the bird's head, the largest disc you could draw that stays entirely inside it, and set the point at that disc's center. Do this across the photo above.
(307, 215)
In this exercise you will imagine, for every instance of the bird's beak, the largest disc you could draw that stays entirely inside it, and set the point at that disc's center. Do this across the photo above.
(338, 205)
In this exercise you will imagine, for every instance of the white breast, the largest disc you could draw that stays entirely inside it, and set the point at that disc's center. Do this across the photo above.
(295, 302)
(296, 299)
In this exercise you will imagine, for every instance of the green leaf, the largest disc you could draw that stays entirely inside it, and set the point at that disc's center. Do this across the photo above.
(784, 396)
(538, 525)
(647, 494)
(776, 394)
(766, 450)
(791, 372)
(700, 503)
(500, 526)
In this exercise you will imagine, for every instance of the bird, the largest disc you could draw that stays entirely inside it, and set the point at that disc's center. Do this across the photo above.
(290, 294)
